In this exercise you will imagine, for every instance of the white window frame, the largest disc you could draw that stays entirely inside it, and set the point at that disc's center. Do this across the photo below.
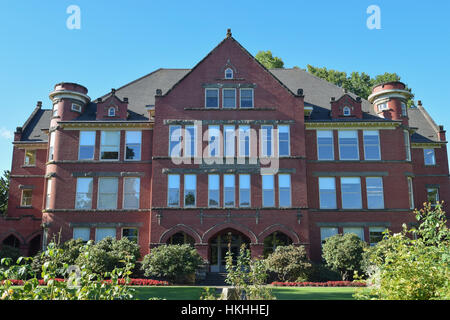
(226, 71)
(55, 110)
(77, 192)
(218, 98)
(48, 194)
(128, 193)
(382, 192)
(332, 144)
(218, 190)
(23, 197)
(130, 228)
(357, 145)
(179, 143)
(28, 163)
(241, 132)
(234, 191)
(264, 141)
(211, 130)
(410, 193)
(273, 190)
(365, 144)
(80, 145)
(96, 233)
(331, 230)
(335, 194)
(249, 191)
(99, 193)
(87, 230)
(288, 141)
(186, 141)
(223, 98)
(425, 159)
(279, 190)
(113, 113)
(226, 138)
(185, 191)
(347, 111)
(358, 231)
(353, 196)
(382, 106)
(407, 141)
(103, 132)
(76, 107)
(51, 151)
(126, 143)
(253, 98)
(168, 190)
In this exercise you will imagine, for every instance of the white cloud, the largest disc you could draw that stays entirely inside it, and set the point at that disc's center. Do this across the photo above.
(6, 134)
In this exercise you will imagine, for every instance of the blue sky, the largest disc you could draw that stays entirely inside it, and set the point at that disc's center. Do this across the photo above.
(120, 41)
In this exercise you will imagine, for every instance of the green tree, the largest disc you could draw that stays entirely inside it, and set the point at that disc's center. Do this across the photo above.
(4, 190)
(172, 262)
(413, 264)
(344, 254)
(268, 60)
(290, 263)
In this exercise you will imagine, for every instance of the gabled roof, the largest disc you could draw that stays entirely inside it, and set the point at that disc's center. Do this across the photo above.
(32, 130)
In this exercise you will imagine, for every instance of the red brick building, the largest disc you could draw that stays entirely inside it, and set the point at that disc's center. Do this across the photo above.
(227, 151)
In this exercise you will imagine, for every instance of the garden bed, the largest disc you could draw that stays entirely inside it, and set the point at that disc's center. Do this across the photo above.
(133, 282)
(319, 284)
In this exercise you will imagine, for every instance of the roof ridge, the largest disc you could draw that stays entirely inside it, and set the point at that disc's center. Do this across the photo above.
(428, 118)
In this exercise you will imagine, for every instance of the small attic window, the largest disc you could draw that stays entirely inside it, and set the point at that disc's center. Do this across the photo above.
(347, 111)
(112, 112)
(76, 107)
(382, 106)
(228, 73)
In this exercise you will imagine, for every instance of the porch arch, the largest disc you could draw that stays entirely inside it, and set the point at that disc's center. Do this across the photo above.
(229, 225)
(280, 228)
(7, 236)
(180, 228)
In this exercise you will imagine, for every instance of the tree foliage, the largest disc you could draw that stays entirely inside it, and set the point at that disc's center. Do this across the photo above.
(344, 254)
(290, 263)
(413, 264)
(268, 60)
(172, 262)
(4, 190)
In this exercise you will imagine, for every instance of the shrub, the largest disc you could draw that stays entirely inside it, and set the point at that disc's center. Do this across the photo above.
(344, 254)
(172, 262)
(289, 263)
(9, 252)
(321, 273)
(320, 284)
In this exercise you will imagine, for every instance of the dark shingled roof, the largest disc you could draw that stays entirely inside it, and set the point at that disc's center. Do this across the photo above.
(318, 92)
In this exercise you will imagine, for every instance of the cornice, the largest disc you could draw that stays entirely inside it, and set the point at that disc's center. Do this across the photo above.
(80, 125)
(352, 125)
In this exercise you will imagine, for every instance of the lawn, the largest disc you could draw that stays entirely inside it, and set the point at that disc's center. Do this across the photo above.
(294, 293)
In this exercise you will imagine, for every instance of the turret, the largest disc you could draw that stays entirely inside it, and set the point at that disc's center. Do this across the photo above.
(390, 100)
(69, 101)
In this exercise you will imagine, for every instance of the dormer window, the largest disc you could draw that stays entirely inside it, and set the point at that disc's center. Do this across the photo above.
(347, 111)
(112, 112)
(229, 73)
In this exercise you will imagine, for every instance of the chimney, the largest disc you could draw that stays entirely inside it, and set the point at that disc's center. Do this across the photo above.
(300, 92)
(158, 92)
(125, 99)
(229, 33)
(442, 133)
(39, 105)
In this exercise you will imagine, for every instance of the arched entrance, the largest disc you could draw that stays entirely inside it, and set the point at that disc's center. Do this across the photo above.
(12, 241)
(275, 239)
(181, 238)
(221, 243)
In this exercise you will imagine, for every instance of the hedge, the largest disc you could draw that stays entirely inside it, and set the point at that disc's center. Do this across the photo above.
(319, 284)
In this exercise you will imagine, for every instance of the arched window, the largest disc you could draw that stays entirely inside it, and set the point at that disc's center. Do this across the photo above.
(274, 240)
(12, 241)
(347, 111)
(229, 73)
(181, 238)
(112, 112)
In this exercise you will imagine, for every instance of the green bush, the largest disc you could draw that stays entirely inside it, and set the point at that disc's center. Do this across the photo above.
(344, 254)
(108, 254)
(290, 263)
(321, 273)
(9, 252)
(175, 263)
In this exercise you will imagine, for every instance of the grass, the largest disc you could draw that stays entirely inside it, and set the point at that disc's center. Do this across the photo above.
(284, 293)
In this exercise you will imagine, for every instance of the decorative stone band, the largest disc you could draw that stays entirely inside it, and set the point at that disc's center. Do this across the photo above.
(223, 169)
(427, 145)
(123, 125)
(34, 145)
(352, 124)
(67, 94)
(229, 85)
(104, 224)
(354, 224)
(224, 122)
(350, 174)
(230, 109)
(108, 174)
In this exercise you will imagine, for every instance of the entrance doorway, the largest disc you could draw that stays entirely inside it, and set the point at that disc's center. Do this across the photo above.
(219, 245)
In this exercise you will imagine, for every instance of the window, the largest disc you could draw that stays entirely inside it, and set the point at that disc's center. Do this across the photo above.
(229, 98)
(26, 198)
(82, 233)
(410, 193)
(173, 190)
(375, 197)
(109, 145)
(133, 141)
(284, 189)
(266, 141)
(107, 193)
(214, 141)
(327, 193)
(283, 141)
(348, 145)
(190, 190)
(83, 199)
(102, 233)
(229, 143)
(52, 146)
(246, 97)
(212, 98)
(229, 73)
(190, 141)
(55, 110)
(244, 190)
(228, 190)
(382, 106)
(175, 141)
(213, 190)
(87, 145)
(131, 234)
(358, 231)
(268, 191)
(347, 111)
(48, 194)
(30, 157)
(371, 145)
(325, 233)
(351, 193)
(429, 157)
(433, 195)
(112, 112)
(325, 147)
(76, 107)
(407, 146)
(375, 235)
(131, 193)
(244, 141)
(404, 110)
